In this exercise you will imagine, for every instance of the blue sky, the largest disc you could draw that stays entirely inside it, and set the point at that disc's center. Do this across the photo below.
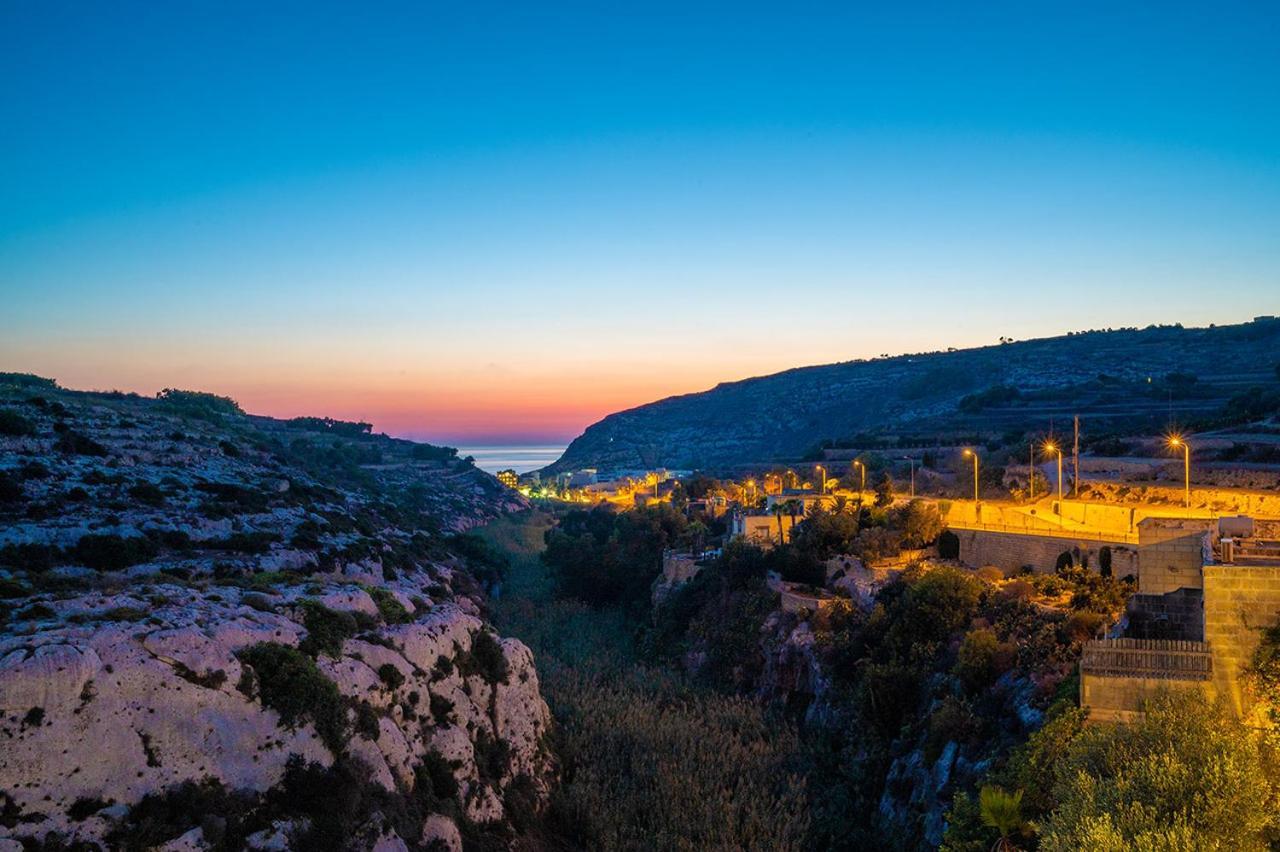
(478, 222)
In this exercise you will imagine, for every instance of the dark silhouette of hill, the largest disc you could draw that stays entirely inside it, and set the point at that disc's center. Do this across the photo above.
(1127, 379)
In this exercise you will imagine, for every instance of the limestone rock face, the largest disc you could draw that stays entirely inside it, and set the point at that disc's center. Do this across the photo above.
(111, 711)
(221, 630)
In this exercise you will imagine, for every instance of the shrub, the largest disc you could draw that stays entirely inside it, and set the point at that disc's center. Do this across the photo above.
(327, 629)
(486, 658)
(197, 404)
(256, 542)
(72, 443)
(11, 589)
(288, 682)
(441, 709)
(390, 675)
(435, 774)
(493, 756)
(110, 552)
(391, 610)
(148, 493)
(1186, 775)
(14, 424)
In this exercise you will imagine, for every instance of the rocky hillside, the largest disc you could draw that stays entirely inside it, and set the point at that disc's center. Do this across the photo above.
(1125, 378)
(220, 632)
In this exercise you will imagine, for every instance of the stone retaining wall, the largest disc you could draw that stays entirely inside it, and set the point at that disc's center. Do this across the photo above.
(1011, 551)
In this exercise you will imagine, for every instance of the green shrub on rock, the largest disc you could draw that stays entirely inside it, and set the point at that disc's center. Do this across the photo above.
(288, 682)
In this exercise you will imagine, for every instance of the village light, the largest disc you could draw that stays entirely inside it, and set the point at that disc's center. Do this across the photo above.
(1051, 447)
(863, 469)
(823, 471)
(1175, 442)
(967, 453)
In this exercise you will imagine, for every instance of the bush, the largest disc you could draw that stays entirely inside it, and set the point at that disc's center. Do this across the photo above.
(148, 493)
(435, 773)
(110, 552)
(72, 443)
(288, 682)
(391, 610)
(982, 658)
(1186, 775)
(10, 489)
(197, 404)
(486, 659)
(14, 424)
(327, 629)
(390, 675)
(441, 709)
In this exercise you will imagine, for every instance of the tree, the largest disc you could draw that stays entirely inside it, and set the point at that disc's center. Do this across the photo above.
(884, 490)
(1003, 812)
(1188, 775)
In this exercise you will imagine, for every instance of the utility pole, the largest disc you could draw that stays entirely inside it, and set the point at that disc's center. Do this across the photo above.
(1075, 462)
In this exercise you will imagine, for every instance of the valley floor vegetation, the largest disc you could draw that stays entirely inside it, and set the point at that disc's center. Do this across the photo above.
(938, 710)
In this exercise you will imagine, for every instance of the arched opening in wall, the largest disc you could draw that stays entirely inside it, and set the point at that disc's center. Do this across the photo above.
(1065, 562)
(1104, 561)
(949, 545)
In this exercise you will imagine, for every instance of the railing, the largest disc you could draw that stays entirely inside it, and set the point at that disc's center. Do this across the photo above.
(1047, 532)
(1172, 659)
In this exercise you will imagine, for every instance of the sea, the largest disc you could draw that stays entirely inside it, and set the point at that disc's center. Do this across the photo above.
(521, 459)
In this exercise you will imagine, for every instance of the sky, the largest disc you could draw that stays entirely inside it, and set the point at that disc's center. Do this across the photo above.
(497, 223)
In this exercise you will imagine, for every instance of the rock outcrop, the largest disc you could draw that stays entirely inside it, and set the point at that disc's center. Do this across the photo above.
(222, 632)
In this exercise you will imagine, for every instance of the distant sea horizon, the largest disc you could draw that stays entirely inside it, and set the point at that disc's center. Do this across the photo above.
(517, 457)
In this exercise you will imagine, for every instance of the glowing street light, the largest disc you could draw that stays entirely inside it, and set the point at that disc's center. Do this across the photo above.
(1050, 447)
(1175, 442)
(823, 471)
(863, 469)
(971, 453)
(912, 462)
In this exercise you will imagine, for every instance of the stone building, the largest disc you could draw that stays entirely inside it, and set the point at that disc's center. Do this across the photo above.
(1206, 590)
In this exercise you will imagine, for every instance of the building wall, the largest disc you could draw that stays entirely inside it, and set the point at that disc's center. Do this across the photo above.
(1011, 551)
(1171, 553)
(1239, 602)
(1120, 699)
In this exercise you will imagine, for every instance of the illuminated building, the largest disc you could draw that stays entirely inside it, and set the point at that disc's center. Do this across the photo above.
(507, 477)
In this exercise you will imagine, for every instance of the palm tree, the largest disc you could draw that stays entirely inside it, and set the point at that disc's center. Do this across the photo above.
(794, 507)
(841, 504)
(777, 513)
(1003, 812)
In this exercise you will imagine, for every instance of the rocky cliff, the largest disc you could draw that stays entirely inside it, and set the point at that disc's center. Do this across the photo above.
(1113, 376)
(221, 632)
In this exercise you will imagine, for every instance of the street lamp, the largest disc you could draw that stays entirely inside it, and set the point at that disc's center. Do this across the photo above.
(967, 453)
(912, 462)
(1175, 442)
(862, 468)
(1051, 447)
(823, 471)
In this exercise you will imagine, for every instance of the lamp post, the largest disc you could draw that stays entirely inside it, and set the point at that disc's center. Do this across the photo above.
(823, 471)
(1051, 447)
(862, 468)
(912, 462)
(1031, 472)
(968, 452)
(1175, 442)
